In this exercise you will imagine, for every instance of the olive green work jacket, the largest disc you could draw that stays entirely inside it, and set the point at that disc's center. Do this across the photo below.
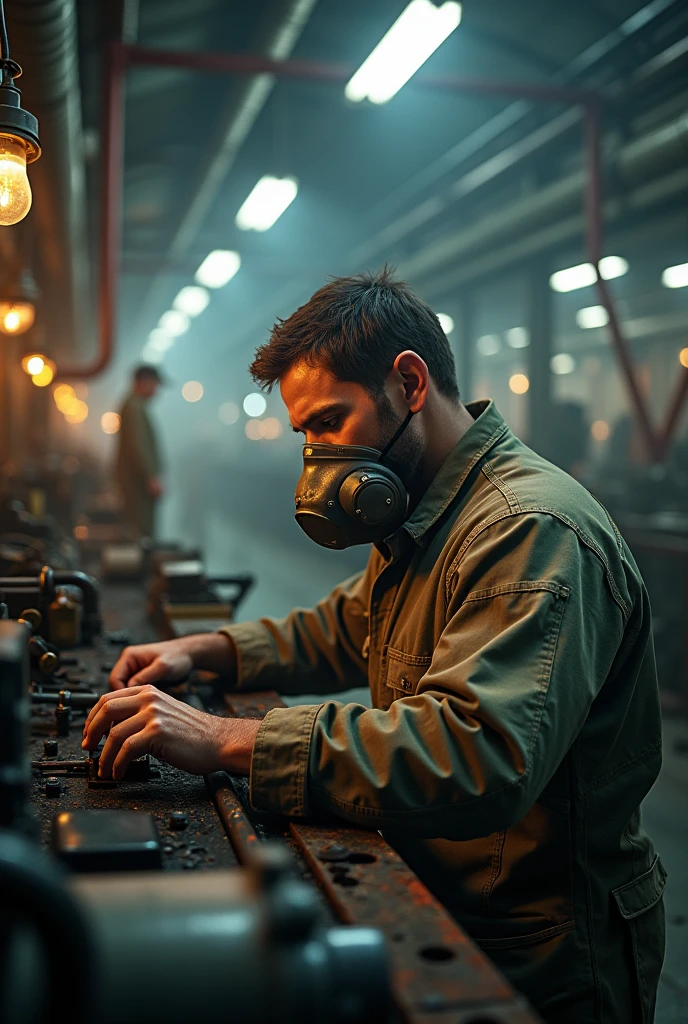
(505, 634)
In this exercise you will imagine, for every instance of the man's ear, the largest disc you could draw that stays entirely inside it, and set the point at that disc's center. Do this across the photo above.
(413, 375)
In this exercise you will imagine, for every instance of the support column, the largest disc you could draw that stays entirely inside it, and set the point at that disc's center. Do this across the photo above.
(541, 329)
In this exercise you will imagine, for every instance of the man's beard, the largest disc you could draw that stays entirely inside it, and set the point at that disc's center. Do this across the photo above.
(406, 457)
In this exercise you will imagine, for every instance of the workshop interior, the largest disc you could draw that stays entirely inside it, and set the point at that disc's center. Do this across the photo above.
(175, 179)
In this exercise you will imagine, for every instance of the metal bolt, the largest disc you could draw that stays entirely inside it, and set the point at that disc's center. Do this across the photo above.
(388, 501)
(63, 716)
(359, 512)
(364, 478)
(50, 748)
(178, 819)
(53, 786)
(330, 504)
(333, 852)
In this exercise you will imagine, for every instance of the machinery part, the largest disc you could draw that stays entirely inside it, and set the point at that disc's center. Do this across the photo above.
(179, 820)
(240, 943)
(112, 840)
(50, 748)
(76, 700)
(63, 713)
(15, 772)
(238, 827)
(53, 786)
(35, 985)
(48, 602)
(47, 660)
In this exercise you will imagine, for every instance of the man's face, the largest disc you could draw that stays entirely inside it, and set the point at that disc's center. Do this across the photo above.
(332, 411)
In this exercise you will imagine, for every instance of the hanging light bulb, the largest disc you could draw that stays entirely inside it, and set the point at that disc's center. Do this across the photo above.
(18, 305)
(19, 143)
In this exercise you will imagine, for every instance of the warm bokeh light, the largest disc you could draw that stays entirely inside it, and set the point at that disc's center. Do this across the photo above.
(78, 412)
(16, 317)
(45, 375)
(81, 532)
(64, 396)
(519, 383)
(228, 413)
(600, 430)
(254, 430)
(255, 404)
(33, 364)
(110, 422)
(272, 428)
(683, 357)
(192, 391)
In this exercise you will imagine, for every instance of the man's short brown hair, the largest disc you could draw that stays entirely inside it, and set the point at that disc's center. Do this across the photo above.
(356, 327)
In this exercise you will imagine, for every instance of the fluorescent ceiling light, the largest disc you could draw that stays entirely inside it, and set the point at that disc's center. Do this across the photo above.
(517, 337)
(218, 268)
(592, 316)
(584, 274)
(152, 355)
(192, 300)
(562, 363)
(413, 37)
(159, 340)
(446, 322)
(676, 277)
(174, 322)
(488, 344)
(266, 203)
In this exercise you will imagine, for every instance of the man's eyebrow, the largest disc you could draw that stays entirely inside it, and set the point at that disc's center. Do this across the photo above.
(317, 415)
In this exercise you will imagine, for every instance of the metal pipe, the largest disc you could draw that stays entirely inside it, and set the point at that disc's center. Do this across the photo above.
(110, 213)
(673, 415)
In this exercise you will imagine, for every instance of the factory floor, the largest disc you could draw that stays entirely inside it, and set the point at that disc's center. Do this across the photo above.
(291, 572)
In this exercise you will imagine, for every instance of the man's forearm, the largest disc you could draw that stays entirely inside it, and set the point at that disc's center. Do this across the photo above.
(213, 652)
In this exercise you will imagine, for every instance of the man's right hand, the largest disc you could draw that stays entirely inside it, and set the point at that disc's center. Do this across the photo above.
(172, 660)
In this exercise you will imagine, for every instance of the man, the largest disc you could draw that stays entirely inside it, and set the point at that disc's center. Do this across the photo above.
(138, 465)
(504, 630)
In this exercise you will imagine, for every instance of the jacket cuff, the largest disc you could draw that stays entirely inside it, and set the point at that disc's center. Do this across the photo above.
(255, 650)
(279, 763)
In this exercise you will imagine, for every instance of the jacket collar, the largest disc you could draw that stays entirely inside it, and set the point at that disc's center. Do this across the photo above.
(489, 427)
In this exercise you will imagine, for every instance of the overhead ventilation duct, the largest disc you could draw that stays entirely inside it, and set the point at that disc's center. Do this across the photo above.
(44, 42)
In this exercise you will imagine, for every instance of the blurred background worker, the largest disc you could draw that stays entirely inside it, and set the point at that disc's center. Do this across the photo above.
(138, 465)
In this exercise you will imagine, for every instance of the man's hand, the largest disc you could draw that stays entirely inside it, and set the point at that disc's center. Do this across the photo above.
(155, 487)
(172, 660)
(145, 720)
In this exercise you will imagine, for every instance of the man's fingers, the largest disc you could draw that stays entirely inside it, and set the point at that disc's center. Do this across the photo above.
(134, 746)
(152, 673)
(129, 662)
(116, 739)
(113, 707)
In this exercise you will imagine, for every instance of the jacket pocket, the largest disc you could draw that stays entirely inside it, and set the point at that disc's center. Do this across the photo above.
(404, 672)
(641, 905)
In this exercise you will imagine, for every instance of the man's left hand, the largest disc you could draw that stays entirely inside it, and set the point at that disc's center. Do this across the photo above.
(144, 720)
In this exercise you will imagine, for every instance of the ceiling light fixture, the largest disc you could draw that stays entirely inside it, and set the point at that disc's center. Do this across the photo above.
(676, 277)
(488, 344)
(414, 36)
(562, 363)
(592, 316)
(218, 268)
(19, 143)
(583, 275)
(266, 203)
(192, 300)
(517, 337)
(174, 322)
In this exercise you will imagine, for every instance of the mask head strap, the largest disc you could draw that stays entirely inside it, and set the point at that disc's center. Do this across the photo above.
(395, 437)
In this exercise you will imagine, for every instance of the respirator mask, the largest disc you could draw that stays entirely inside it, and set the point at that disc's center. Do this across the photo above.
(346, 495)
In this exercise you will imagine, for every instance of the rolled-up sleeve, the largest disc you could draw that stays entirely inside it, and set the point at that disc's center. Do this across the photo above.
(531, 631)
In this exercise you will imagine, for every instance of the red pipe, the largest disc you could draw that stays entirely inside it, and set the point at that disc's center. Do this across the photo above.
(110, 214)
(673, 416)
